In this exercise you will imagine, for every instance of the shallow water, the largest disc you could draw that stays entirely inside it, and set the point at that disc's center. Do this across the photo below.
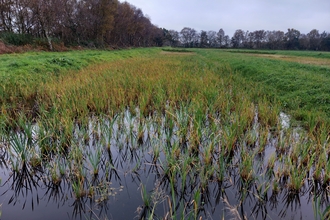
(129, 166)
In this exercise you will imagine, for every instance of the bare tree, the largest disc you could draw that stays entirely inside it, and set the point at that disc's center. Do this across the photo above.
(204, 41)
(238, 38)
(226, 41)
(212, 37)
(6, 15)
(303, 42)
(292, 38)
(274, 39)
(249, 40)
(44, 18)
(220, 37)
(325, 41)
(175, 38)
(258, 38)
(314, 39)
(188, 36)
(105, 12)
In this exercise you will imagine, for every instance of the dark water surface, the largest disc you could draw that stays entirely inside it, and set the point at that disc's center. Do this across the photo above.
(128, 172)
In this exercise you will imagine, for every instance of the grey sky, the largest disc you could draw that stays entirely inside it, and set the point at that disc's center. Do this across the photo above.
(251, 15)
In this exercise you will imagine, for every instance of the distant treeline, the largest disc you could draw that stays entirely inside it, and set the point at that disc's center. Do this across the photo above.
(110, 23)
(93, 23)
(260, 39)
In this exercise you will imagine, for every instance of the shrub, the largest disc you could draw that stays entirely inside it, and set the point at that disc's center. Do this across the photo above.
(16, 39)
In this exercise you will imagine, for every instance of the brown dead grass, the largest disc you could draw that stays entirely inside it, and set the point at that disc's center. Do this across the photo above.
(5, 49)
(302, 60)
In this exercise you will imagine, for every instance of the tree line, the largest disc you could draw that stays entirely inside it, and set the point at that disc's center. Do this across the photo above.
(260, 39)
(77, 22)
(104, 23)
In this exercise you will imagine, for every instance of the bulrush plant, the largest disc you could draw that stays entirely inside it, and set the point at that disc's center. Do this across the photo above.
(106, 127)
(246, 170)
(319, 167)
(94, 158)
(230, 138)
(208, 154)
(283, 142)
(251, 137)
(263, 139)
(182, 120)
(268, 114)
(297, 179)
(22, 145)
(246, 113)
(54, 171)
(155, 153)
(326, 180)
(20, 152)
(271, 164)
(187, 167)
(78, 188)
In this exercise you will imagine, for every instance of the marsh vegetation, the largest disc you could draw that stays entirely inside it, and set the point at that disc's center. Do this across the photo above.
(150, 135)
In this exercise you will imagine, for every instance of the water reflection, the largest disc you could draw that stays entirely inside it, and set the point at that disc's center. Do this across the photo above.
(129, 168)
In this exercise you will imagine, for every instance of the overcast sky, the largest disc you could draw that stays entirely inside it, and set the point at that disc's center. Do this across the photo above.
(230, 15)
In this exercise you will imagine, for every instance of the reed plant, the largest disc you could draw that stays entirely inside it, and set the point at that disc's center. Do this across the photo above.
(196, 202)
(271, 163)
(230, 138)
(54, 172)
(221, 168)
(78, 189)
(268, 114)
(21, 149)
(296, 176)
(94, 158)
(246, 170)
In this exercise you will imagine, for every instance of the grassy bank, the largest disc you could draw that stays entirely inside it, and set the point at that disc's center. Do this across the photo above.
(302, 88)
(24, 78)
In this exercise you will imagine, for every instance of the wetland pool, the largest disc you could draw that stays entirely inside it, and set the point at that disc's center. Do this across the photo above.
(126, 167)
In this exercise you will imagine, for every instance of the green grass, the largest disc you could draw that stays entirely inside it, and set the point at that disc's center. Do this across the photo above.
(22, 76)
(300, 88)
(177, 50)
(35, 80)
(50, 62)
(250, 51)
(299, 53)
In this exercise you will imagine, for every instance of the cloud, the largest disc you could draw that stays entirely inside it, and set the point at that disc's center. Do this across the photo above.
(303, 15)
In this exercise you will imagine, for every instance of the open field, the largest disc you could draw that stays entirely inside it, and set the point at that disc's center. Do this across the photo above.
(171, 134)
(299, 82)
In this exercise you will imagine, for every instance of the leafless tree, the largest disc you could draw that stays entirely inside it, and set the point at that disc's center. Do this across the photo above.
(212, 37)
(220, 37)
(238, 38)
(188, 36)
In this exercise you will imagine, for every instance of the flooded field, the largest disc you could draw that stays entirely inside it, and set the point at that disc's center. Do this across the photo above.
(134, 167)
(166, 135)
